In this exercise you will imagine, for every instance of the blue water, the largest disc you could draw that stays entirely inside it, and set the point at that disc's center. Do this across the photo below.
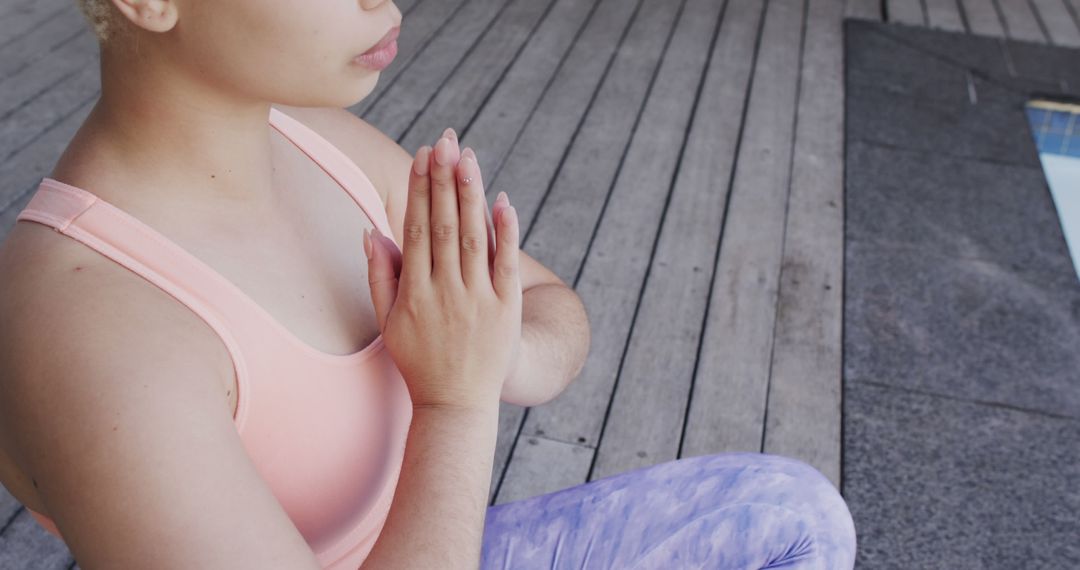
(1056, 129)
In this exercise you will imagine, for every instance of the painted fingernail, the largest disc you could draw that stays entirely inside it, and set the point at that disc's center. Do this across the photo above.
(450, 134)
(420, 165)
(367, 244)
(469, 153)
(502, 197)
(442, 151)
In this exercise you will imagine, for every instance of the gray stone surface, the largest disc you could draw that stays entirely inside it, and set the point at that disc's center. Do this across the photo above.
(952, 206)
(940, 483)
(912, 73)
(968, 328)
(995, 128)
(1047, 65)
(1016, 64)
(979, 52)
(961, 310)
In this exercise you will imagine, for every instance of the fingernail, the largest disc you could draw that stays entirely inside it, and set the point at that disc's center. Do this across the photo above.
(450, 134)
(367, 244)
(469, 153)
(420, 165)
(468, 171)
(442, 151)
(503, 198)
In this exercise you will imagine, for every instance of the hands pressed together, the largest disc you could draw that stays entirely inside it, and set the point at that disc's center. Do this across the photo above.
(449, 303)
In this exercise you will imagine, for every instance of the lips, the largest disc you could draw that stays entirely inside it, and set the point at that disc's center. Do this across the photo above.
(385, 41)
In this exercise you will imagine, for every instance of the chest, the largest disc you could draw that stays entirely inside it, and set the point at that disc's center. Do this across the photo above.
(301, 261)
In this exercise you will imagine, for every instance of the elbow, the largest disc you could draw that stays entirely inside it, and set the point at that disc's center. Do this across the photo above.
(581, 344)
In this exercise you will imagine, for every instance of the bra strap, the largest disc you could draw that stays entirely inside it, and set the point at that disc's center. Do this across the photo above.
(337, 164)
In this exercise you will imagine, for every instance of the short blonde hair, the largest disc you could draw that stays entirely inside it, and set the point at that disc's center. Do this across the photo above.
(100, 14)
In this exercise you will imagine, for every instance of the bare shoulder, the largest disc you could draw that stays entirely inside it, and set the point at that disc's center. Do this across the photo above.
(65, 304)
(378, 155)
(108, 384)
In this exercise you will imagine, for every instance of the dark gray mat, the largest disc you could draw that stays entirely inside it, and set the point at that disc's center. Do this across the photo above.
(961, 308)
(940, 483)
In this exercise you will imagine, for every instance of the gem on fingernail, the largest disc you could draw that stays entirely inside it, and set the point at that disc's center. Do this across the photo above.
(467, 179)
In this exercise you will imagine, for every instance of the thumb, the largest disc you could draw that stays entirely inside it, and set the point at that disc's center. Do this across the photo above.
(382, 277)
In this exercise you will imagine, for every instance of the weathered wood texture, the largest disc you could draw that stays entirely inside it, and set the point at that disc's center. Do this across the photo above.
(1042, 21)
(1020, 21)
(1058, 22)
(804, 396)
(906, 12)
(863, 9)
(727, 408)
(944, 14)
(678, 162)
(983, 18)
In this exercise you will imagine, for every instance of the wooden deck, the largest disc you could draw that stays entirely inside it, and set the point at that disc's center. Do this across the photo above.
(1056, 22)
(679, 162)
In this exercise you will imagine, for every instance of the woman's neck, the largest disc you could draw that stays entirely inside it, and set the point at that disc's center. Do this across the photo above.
(156, 125)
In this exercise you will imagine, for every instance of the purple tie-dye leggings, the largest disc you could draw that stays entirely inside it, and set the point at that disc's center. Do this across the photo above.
(735, 511)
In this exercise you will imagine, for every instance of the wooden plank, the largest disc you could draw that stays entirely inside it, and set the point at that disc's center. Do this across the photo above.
(864, 9)
(534, 159)
(48, 72)
(803, 413)
(24, 51)
(534, 152)
(418, 27)
(646, 415)
(23, 19)
(612, 278)
(411, 90)
(561, 229)
(560, 233)
(983, 18)
(944, 15)
(12, 5)
(1074, 9)
(23, 172)
(25, 544)
(531, 474)
(1058, 21)
(727, 409)
(493, 131)
(460, 97)
(30, 121)
(9, 507)
(906, 12)
(1020, 23)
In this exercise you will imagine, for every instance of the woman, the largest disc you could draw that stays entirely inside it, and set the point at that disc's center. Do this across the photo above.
(196, 246)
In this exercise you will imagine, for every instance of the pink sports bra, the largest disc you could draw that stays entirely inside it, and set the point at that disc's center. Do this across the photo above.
(326, 432)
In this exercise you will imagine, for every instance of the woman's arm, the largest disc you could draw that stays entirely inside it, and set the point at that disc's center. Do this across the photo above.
(555, 326)
(437, 516)
(554, 344)
(112, 400)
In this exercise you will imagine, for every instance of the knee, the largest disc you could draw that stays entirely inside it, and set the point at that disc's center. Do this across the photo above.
(803, 488)
(793, 486)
